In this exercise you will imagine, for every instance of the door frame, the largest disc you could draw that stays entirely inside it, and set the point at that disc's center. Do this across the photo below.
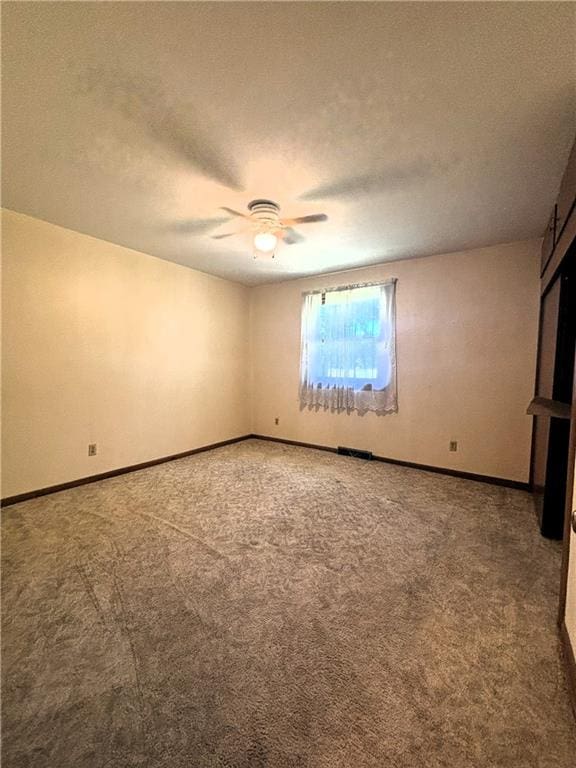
(568, 509)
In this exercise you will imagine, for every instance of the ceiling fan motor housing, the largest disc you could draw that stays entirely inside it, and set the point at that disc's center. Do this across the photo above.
(265, 212)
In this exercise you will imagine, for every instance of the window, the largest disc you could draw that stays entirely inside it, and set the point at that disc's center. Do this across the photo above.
(348, 348)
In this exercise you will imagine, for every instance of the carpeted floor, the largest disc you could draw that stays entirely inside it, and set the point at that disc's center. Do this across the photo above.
(266, 605)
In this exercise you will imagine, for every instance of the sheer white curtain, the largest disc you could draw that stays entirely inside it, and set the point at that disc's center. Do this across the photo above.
(348, 348)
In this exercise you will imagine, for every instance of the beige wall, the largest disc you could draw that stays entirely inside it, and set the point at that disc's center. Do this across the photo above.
(147, 358)
(104, 344)
(466, 341)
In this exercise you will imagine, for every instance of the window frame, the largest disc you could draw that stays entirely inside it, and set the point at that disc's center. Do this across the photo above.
(384, 363)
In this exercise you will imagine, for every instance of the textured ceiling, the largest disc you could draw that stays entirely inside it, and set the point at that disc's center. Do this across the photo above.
(418, 128)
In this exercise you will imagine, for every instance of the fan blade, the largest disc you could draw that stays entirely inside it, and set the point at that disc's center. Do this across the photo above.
(173, 126)
(226, 234)
(232, 212)
(311, 219)
(307, 219)
(196, 226)
(291, 237)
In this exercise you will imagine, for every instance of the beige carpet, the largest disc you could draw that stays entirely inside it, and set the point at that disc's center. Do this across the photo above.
(266, 605)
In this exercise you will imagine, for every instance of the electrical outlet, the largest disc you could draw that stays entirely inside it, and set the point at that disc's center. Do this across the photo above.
(453, 445)
(91, 449)
(276, 421)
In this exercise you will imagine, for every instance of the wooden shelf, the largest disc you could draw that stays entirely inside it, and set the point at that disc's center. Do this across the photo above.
(542, 406)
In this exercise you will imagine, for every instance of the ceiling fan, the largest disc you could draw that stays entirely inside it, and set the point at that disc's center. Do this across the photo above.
(264, 222)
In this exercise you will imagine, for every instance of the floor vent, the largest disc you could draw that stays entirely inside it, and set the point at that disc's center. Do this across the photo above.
(354, 453)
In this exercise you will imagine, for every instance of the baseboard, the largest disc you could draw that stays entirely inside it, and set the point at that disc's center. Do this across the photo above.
(295, 442)
(569, 664)
(144, 465)
(517, 484)
(114, 472)
(503, 481)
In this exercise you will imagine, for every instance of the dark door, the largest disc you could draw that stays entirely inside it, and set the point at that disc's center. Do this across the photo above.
(555, 380)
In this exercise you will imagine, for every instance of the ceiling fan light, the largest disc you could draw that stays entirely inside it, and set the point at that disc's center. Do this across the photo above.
(265, 242)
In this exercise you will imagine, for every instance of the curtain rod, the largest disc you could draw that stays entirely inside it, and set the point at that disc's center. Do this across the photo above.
(390, 281)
